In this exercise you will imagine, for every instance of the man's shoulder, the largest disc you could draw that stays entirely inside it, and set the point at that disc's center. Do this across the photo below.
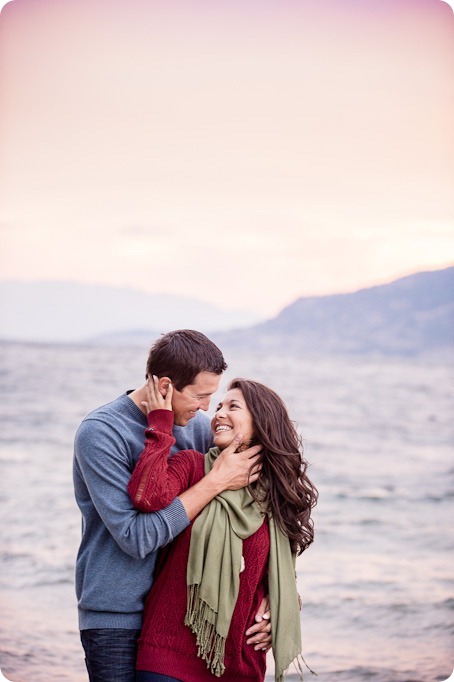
(112, 409)
(114, 429)
(116, 414)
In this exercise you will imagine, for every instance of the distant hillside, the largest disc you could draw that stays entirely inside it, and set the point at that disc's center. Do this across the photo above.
(70, 311)
(412, 315)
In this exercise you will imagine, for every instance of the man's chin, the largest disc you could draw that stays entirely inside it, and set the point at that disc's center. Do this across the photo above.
(183, 421)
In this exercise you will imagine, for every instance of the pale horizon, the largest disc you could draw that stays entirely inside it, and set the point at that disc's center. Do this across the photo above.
(220, 306)
(244, 155)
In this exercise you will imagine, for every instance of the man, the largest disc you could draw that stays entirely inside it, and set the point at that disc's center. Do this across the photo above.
(119, 545)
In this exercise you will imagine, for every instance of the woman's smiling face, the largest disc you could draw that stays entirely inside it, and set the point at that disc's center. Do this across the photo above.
(232, 418)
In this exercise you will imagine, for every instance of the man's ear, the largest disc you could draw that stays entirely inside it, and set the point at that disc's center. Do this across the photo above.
(163, 385)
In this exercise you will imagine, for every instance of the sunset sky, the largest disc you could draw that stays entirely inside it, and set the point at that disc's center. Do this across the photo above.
(242, 152)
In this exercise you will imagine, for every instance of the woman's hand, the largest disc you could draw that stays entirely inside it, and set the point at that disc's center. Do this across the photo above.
(259, 634)
(159, 394)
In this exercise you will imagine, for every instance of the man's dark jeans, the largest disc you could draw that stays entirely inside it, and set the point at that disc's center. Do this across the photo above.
(110, 654)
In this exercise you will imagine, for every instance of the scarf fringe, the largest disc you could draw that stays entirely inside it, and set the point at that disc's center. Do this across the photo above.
(201, 618)
(297, 662)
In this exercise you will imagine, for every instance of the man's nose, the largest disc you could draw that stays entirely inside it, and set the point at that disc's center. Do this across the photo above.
(205, 403)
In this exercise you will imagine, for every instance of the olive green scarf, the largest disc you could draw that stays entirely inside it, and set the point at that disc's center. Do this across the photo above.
(217, 543)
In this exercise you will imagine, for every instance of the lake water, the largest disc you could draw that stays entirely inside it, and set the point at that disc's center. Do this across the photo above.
(377, 584)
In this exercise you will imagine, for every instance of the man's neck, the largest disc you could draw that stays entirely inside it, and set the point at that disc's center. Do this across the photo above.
(137, 397)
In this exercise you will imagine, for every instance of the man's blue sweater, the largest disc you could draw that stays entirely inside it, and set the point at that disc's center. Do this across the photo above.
(117, 555)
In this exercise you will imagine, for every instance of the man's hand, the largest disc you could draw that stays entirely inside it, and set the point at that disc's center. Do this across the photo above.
(158, 394)
(234, 469)
(260, 633)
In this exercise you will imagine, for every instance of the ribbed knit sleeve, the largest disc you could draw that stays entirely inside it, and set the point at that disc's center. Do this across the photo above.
(157, 478)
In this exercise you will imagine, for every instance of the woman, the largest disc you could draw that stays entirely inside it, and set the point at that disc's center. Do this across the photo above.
(242, 546)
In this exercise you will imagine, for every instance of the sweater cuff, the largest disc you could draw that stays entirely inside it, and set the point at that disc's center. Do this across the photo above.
(177, 516)
(160, 420)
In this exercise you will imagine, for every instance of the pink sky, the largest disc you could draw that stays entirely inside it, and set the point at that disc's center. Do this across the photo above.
(241, 152)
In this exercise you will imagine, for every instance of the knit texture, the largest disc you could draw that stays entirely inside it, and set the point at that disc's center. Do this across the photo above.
(166, 645)
(119, 545)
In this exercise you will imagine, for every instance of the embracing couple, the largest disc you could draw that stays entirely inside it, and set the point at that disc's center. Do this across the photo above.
(213, 529)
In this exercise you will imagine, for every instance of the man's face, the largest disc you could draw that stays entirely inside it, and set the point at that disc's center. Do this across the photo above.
(193, 397)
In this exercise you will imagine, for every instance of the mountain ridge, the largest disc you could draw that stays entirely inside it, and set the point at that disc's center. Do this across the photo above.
(408, 316)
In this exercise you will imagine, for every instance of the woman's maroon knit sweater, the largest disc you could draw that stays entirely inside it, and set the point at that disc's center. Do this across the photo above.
(166, 645)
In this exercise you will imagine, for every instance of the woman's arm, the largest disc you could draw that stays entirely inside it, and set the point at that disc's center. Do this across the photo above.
(158, 479)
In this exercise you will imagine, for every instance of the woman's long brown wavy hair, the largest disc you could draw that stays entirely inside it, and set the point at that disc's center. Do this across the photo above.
(283, 483)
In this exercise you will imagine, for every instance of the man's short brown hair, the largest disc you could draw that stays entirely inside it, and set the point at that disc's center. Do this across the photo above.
(181, 355)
